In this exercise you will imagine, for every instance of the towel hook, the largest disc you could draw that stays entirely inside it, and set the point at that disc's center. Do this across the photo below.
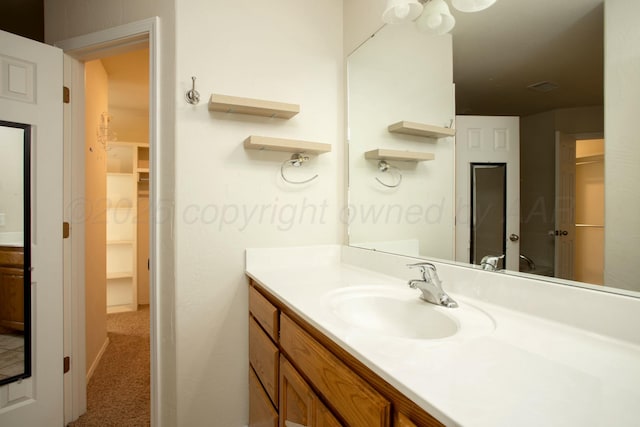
(192, 96)
(386, 167)
(296, 160)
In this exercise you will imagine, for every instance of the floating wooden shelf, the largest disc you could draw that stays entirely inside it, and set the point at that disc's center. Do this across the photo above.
(290, 145)
(405, 156)
(420, 129)
(119, 275)
(255, 107)
(119, 242)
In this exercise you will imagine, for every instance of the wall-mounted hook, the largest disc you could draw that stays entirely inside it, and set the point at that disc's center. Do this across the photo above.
(296, 160)
(192, 96)
(386, 167)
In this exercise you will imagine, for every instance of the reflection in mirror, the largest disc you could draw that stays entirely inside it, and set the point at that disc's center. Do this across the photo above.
(15, 300)
(488, 204)
(399, 74)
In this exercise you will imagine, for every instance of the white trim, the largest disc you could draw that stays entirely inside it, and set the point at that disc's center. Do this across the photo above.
(117, 40)
(97, 360)
(74, 313)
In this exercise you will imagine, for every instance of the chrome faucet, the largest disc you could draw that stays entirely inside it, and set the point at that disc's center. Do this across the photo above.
(490, 262)
(431, 286)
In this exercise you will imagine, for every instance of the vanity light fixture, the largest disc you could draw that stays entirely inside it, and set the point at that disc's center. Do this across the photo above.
(431, 16)
(472, 5)
(436, 18)
(398, 11)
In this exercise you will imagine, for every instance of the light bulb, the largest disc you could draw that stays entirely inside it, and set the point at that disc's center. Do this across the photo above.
(434, 20)
(401, 11)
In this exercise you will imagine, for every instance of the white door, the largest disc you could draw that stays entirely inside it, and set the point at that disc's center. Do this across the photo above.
(31, 93)
(485, 139)
(565, 231)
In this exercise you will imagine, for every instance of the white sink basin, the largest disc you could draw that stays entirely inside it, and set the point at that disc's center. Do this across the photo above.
(398, 312)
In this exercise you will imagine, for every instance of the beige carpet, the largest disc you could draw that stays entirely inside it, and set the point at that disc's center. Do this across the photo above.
(118, 393)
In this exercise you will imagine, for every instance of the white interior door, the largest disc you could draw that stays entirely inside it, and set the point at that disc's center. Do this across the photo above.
(565, 231)
(486, 139)
(31, 93)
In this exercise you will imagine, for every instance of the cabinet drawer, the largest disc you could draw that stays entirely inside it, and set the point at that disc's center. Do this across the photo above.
(403, 421)
(264, 312)
(352, 398)
(261, 413)
(10, 256)
(263, 356)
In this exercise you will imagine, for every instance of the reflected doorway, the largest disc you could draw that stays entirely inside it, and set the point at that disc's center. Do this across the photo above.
(579, 222)
(488, 211)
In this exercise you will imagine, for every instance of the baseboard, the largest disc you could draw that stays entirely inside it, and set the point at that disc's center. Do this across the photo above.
(96, 361)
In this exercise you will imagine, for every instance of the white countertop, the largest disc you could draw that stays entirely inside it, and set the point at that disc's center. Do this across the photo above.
(524, 370)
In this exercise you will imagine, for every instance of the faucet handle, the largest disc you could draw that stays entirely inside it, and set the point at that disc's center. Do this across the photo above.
(423, 269)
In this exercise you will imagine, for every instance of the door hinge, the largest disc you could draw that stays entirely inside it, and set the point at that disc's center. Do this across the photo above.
(65, 94)
(66, 230)
(66, 364)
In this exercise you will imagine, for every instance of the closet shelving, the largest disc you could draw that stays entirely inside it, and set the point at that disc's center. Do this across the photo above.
(255, 107)
(421, 129)
(127, 162)
(405, 156)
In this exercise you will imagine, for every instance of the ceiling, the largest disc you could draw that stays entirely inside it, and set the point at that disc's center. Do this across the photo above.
(500, 51)
(128, 79)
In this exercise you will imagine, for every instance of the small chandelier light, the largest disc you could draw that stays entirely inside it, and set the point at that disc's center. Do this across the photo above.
(436, 18)
(431, 16)
(398, 11)
(104, 133)
(472, 5)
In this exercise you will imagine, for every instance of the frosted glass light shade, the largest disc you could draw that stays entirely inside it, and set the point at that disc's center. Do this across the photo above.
(398, 11)
(472, 5)
(436, 18)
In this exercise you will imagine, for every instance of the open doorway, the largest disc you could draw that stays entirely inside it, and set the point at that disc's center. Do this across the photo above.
(117, 172)
(579, 221)
(80, 157)
(589, 205)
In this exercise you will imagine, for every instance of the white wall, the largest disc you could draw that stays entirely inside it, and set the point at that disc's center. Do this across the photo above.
(96, 83)
(401, 74)
(622, 148)
(286, 50)
(362, 18)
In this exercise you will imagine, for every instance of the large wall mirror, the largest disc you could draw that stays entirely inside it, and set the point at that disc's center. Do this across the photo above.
(402, 186)
(15, 282)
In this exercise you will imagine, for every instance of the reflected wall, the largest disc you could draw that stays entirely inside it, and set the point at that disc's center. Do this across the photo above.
(401, 74)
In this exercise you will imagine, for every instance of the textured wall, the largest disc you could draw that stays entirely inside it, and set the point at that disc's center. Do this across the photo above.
(622, 145)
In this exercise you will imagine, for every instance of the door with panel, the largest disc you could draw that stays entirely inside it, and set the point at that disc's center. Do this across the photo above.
(31, 93)
(488, 140)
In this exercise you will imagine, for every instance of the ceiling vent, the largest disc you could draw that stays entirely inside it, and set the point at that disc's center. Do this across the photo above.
(545, 86)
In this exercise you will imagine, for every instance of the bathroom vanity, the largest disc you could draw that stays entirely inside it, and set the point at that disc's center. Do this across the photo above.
(279, 339)
(338, 338)
(12, 287)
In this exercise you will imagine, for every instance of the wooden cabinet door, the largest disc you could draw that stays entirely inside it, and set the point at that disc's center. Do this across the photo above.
(299, 405)
(351, 397)
(401, 420)
(261, 412)
(324, 417)
(296, 398)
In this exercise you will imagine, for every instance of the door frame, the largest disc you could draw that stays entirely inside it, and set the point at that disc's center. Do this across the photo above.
(84, 48)
(563, 262)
